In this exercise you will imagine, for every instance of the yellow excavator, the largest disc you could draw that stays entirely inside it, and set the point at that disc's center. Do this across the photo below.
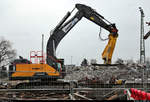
(22, 69)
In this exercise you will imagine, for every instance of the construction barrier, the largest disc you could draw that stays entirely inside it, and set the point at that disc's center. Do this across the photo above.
(135, 94)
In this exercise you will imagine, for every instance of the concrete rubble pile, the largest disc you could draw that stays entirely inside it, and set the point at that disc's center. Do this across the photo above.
(104, 73)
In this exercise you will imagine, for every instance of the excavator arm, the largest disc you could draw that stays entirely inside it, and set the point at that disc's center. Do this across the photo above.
(65, 26)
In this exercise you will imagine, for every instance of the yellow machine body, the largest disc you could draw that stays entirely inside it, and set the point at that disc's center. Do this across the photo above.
(29, 71)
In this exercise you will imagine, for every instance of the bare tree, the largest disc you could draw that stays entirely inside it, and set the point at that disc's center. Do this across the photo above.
(84, 62)
(7, 53)
(119, 61)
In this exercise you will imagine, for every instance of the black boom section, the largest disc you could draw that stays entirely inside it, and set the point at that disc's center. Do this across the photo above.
(57, 35)
(52, 44)
(93, 16)
(64, 27)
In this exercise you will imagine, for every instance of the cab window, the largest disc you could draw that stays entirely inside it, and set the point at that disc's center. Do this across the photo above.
(58, 66)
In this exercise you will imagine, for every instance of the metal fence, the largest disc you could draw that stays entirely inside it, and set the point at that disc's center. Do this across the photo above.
(69, 88)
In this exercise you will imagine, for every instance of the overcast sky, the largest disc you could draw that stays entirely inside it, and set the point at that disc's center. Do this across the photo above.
(24, 21)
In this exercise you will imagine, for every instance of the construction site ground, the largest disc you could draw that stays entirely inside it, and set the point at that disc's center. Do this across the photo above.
(92, 84)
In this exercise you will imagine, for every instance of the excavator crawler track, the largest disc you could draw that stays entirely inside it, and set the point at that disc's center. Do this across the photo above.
(46, 85)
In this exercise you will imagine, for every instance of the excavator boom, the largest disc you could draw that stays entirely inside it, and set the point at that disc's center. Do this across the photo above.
(65, 26)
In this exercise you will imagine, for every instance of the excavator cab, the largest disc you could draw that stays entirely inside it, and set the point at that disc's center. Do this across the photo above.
(61, 68)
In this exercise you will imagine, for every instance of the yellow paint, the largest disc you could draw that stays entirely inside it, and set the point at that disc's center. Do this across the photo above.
(92, 18)
(119, 82)
(28, 70)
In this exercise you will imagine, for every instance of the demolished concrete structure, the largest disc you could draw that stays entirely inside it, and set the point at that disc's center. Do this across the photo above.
(104, 73)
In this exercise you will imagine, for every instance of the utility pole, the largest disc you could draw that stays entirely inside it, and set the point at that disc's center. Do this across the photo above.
(42, 48)
(142, 42)
(71, 60)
